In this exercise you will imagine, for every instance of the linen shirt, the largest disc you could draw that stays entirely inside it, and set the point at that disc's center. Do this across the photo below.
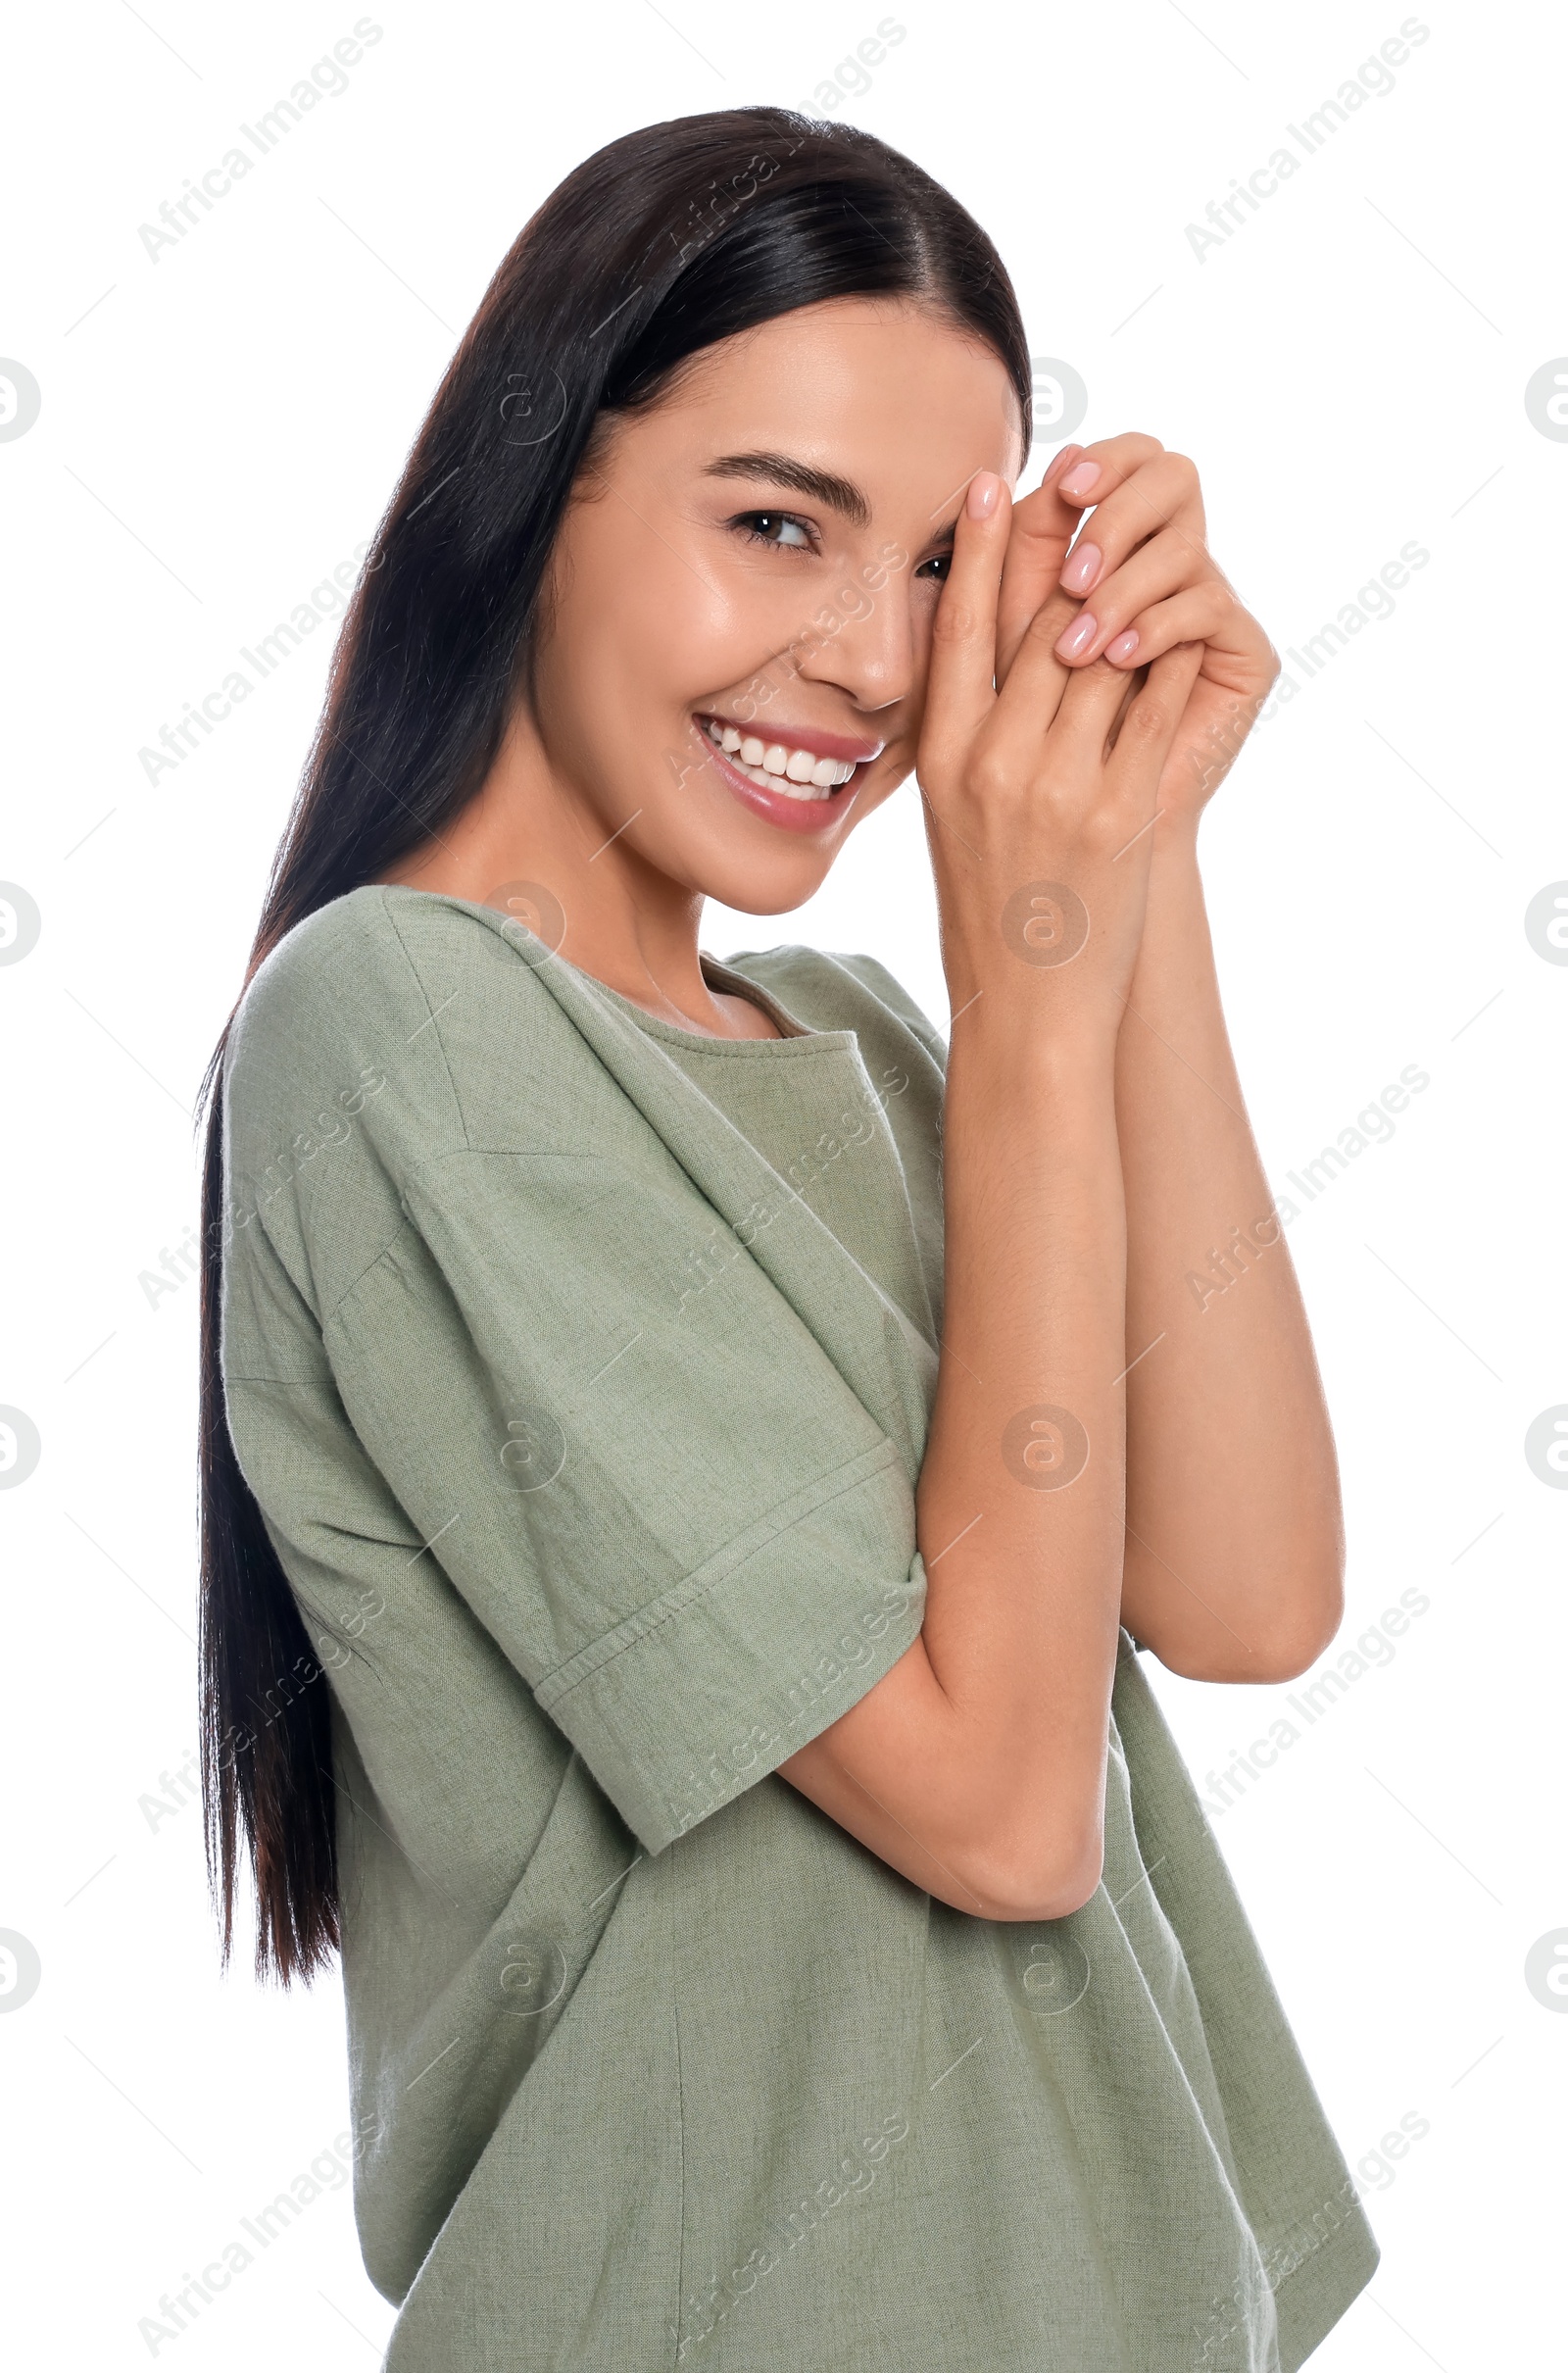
(581, 1368)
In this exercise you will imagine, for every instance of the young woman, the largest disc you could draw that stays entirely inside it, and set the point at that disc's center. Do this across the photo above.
(690, 1463)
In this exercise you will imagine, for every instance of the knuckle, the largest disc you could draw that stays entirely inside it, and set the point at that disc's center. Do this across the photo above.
(1146, 720)
(1057, 610)
(954, 623)
(989, 775)
(1105, 830)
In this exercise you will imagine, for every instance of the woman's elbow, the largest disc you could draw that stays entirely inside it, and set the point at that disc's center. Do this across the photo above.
(1274, 1640)
(1039, 1879)
(1302, 1626)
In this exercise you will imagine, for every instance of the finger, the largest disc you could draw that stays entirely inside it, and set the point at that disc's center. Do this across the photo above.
(1237, 654)
(959, 688)
(1102, 467)
(1037, 678)
(1089, 709)
(1043, 528)
(1169, 563)
(1163, 495)
(1149, 726)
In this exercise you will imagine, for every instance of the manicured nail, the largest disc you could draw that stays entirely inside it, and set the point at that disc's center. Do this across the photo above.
(984, 488)
(1058, 463)
(1083, 569)
(1079, 635)
(1081, 479)
(1124, 645)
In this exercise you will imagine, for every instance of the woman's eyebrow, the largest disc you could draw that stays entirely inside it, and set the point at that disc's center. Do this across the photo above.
(781, 470)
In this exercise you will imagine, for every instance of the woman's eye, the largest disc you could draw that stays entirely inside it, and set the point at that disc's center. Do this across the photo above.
(776, 527)
(936, 569)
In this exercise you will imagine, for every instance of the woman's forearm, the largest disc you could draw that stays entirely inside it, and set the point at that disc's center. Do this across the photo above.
(1234, 1542)
(977, 1767)
(1020, 1505)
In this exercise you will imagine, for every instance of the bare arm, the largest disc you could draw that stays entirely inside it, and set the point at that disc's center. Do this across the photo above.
(1235, 1546)
(976, 1766)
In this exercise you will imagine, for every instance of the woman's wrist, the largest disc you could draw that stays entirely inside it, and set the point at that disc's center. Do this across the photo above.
(1032, 1046)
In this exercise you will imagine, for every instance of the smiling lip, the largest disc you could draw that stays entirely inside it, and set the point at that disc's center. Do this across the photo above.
(789, 815)
(815, 738)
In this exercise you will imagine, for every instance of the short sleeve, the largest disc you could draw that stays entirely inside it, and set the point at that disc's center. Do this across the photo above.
(672, 1515)
(559, 1425)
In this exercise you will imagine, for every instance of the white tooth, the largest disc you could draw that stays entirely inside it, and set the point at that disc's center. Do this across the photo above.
(774, 758)
(825, 773)
(751, 750)
(731, 739)
(799, 765)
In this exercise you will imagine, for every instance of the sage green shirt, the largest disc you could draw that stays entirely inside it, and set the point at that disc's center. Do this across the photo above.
(581, 1368)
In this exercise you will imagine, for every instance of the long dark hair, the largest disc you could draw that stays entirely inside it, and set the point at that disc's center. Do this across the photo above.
(663, 242)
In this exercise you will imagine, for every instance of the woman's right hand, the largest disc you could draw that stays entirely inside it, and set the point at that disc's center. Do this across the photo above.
(977, 1764)
(1039, 809)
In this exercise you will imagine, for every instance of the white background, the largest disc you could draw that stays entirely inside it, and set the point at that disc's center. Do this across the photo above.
(220, 427)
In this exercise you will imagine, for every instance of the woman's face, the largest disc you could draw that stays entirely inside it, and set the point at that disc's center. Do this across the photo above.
(760, 556)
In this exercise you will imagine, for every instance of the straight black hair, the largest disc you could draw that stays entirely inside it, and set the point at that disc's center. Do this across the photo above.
(666, 241)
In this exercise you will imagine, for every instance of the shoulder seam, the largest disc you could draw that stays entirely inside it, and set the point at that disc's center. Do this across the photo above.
(415, 973)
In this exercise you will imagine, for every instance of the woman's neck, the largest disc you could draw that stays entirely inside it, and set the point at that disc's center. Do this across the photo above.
(620, 921)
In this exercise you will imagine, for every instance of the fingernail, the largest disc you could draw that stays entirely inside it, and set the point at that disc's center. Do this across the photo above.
(1124, 645)
(984, 488)
(1081, 479)
(1079, 635)
(1058, 461)
(1083, 569)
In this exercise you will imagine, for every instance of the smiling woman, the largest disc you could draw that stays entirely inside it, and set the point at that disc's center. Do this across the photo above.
(672, 1584)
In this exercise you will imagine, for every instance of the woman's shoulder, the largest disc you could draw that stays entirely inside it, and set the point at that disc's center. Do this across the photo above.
(832, 991)
(379, 960)
(349, 998)
(361, 945)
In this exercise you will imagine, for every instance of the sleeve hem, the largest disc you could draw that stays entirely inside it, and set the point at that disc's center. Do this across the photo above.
(564, 1678)
(715, 1684)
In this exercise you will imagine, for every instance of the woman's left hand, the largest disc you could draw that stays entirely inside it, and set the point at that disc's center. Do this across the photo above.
(1146, 581)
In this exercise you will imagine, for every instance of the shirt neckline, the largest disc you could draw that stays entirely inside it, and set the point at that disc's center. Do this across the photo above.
(797, 1037)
